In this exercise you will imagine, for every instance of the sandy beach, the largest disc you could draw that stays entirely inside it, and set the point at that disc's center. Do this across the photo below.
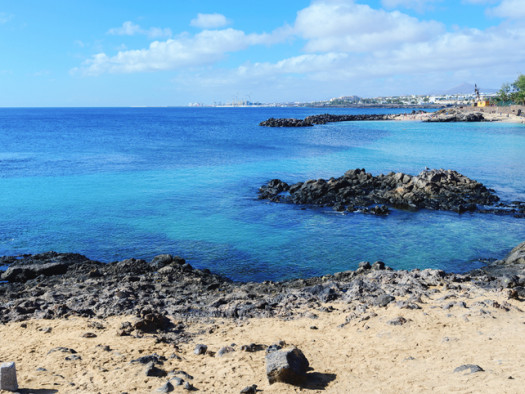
(366, 354)
(490, 114)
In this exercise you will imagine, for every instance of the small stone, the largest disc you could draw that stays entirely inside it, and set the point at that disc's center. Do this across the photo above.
(182, 373)
(73, 357)
(188, 386)
(469, 369)
(225, 350)
(252, 347)
(249, 389)
(89, 335)
(273, 348)
(200, 349)
(152, 358)
(398, 321)
(384, 300)
(166, 388)
(152, 370)
(41, 369)
(8, 377)
(62, 349)
(178, 381)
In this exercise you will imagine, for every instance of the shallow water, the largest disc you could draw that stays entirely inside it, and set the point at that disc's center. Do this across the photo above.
(116, 183)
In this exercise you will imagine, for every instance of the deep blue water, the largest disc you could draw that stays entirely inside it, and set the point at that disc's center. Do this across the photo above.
(113, 183)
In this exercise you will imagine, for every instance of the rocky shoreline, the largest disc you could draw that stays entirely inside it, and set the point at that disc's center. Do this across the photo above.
(444, 115)
(163, 326)
(360, 191)
(56, 285)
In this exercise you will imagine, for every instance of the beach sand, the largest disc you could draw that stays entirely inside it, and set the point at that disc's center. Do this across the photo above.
(487, 114)
(366, 355)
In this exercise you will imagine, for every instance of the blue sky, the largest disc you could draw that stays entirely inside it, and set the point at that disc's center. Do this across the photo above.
(173, 52)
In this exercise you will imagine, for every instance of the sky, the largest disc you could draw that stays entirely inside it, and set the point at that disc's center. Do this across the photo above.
(174, 52)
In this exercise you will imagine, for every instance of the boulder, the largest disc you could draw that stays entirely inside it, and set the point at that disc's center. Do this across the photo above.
(517, 255)
(287, 366)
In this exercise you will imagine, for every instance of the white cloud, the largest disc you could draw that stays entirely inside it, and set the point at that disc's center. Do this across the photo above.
(210, 21)
(346, 26)
(511, 9)
(418, 5)
(348, 47)
(207, 47)
(4, 18)
(480, 1)
(129, 28)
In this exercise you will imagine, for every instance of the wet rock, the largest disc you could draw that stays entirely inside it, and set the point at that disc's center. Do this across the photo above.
(287, 366)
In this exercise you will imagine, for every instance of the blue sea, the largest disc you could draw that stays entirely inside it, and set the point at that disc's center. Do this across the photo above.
(114, 183)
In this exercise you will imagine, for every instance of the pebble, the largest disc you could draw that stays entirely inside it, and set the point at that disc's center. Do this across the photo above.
(166, 388)
(468, 369)
(200, 349)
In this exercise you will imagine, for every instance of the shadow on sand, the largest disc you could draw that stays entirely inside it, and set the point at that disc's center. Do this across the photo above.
(317, 380)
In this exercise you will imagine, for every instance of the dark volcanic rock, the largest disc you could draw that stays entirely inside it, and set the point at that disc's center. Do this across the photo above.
(287, 366)
(455, 115)
(322, 119)
(152, 296)
(358, 190)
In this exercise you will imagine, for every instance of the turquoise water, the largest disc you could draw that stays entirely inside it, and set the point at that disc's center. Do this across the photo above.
(119, 183)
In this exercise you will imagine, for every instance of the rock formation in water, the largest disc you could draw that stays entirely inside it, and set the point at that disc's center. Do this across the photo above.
(358, 190)
(322, 119)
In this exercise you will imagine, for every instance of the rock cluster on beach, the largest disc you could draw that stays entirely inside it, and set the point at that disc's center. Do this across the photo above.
(169, 286)
(455, 115)
(358, 190)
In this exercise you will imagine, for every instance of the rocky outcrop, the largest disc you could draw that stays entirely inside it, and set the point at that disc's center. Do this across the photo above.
(455, 115)
(358, 190)
(180, 291)
(322, 119)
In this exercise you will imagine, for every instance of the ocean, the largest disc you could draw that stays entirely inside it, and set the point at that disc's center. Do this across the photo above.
(114, 183)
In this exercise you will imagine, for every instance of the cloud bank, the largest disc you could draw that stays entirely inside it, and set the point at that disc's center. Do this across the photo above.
(340, 41)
